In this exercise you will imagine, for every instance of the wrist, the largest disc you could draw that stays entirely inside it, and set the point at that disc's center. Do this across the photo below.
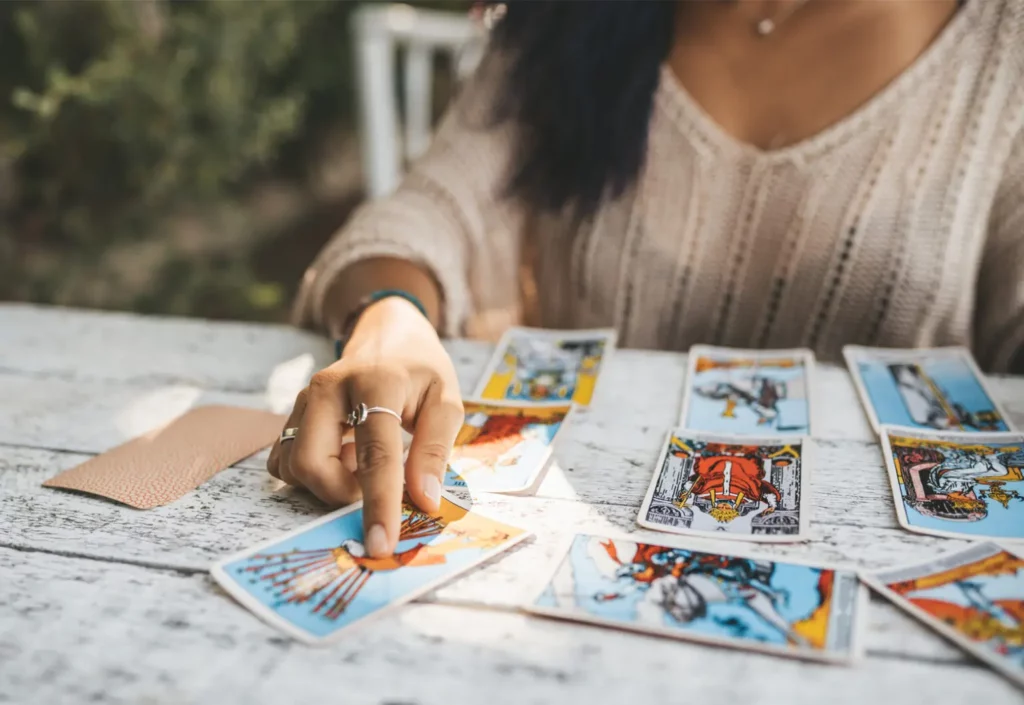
(380, 309)
(391, 308)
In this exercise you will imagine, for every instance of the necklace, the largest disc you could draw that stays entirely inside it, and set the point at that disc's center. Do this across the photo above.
(768, 25)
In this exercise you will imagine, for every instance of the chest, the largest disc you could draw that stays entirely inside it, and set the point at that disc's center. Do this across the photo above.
(873, 237)
(818, 69)
(869, 231)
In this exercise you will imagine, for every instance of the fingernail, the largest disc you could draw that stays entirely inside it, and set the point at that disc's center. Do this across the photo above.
(432, 488)
(377, 541)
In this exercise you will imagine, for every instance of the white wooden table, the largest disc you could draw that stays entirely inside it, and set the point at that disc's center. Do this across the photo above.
(103, 603)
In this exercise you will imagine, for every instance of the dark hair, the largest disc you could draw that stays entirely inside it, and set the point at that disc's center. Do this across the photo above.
(580, 86)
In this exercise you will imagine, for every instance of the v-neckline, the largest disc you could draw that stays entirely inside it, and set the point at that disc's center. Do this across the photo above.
(687, 107)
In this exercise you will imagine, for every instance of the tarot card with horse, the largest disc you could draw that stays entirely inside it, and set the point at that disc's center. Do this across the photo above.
(938, 389)
(504, 446)
(731, 487)
(974, 597)
(317, 581)
(748, 392)
(961, 485)
(787, 607)
(536, 365)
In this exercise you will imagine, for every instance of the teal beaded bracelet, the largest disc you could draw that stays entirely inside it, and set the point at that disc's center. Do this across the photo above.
(350, 321)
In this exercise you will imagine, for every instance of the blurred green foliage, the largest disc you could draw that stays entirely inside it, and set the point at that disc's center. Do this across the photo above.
(115, 115)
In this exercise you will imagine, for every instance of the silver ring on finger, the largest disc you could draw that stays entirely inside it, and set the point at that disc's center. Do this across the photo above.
(289, 433)
(360, 412)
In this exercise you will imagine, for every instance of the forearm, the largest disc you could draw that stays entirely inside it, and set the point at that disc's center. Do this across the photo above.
(362, 278)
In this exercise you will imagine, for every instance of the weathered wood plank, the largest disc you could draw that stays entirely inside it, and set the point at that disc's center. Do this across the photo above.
(160, 352)
(240, 508)
(127, 348)
(91, 415)
(123, 348)
(141, 635)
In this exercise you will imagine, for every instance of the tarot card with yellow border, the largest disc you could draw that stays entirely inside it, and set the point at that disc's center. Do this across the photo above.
(539, 365)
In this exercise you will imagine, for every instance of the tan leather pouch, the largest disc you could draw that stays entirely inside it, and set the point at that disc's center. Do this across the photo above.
(164, 464)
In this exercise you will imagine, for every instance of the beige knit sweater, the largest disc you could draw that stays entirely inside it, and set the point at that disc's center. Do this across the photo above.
(901, 225)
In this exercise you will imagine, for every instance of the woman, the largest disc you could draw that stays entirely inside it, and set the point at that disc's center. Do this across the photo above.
(760, 173)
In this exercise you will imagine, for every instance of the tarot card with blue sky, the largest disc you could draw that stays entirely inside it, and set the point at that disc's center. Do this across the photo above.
(748, 392)
(786, 608)
(960, 485)
(939, 389)
(504, 446)
(973, 596)
(315, 582)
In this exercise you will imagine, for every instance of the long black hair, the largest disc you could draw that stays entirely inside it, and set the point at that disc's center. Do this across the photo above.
(580, 86)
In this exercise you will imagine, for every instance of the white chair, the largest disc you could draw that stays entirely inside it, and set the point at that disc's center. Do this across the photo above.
(379, 31)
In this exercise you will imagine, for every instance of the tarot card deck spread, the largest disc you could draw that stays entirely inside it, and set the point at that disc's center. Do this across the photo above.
(737, 467)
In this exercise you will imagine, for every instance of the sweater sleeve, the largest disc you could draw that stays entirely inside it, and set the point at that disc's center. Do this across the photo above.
(999, 321)
(447, 215)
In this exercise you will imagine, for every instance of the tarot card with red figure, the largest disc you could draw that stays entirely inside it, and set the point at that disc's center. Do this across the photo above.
(736, 487)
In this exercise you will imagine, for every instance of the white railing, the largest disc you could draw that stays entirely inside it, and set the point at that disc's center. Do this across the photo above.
(380, 30)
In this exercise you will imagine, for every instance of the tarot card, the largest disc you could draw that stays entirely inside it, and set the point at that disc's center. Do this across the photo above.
(535, 365)
(940, 389)
(974, 597)
(787, 608)
(729, 487)
(964, 485)
(748, 392)
(504, 446)
(317, 581)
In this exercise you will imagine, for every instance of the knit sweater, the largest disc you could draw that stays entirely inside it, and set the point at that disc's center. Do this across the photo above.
(901, 225)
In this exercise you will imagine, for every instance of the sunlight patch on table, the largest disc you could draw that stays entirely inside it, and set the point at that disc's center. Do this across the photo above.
(155, 408)
(286, 380)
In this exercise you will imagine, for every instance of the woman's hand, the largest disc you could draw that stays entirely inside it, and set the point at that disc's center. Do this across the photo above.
(393, 359)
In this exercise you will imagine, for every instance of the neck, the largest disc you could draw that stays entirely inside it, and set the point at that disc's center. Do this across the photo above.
(750, 11)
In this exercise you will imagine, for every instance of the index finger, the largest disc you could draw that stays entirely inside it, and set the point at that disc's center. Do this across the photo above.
(314, 459)
(379, 468)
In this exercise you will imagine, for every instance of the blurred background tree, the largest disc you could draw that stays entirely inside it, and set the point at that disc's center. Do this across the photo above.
(173, 157)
